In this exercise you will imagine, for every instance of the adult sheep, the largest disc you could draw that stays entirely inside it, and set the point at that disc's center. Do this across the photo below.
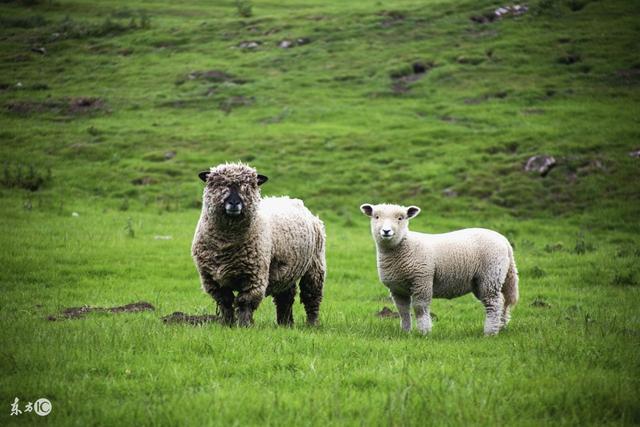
(417, 267)
(256, 247)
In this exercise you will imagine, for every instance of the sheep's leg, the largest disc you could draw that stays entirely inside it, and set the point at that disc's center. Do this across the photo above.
(505, 317)
(284, 306)
(311, 291)
(247, 302)
(423, 315)
(403, 304)
(421, 296)
(493, 305)
(222, 296)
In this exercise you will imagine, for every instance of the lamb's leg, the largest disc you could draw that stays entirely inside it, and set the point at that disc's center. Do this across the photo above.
(284, 306)
(505, 317)
(421, 296)
(247, 302)
(493, 305)
(423, 315)
(311, 290)
(403, 304)
(222, 296)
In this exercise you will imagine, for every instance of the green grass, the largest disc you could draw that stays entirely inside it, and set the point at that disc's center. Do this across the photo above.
(323, 122)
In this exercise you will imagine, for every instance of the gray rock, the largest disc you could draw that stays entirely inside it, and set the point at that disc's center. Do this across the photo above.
(541, 164)
(448, 192)
(635, 154)
(251, 44)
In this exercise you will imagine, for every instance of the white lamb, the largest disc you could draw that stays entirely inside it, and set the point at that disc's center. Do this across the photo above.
(417, 267)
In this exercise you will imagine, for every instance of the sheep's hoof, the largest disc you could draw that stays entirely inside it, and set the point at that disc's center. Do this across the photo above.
(312, 320)
(229, 322)
(286, 323)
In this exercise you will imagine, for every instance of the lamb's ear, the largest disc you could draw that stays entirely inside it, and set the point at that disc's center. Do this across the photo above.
(262, 179)
(367, 209)
(203, 175)
(412, 211)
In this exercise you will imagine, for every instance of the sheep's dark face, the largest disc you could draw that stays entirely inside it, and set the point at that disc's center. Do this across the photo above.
(231, 191)
(389, 223)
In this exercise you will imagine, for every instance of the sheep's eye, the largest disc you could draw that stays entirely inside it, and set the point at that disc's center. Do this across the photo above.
(377, 217)
(400, 219)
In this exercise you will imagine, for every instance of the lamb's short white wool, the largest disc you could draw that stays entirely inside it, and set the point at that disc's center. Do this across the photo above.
(417, 267)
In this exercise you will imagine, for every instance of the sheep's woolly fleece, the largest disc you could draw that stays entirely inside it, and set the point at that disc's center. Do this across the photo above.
(275, 243)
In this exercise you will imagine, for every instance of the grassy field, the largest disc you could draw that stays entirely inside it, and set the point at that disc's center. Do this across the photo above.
(108, 113)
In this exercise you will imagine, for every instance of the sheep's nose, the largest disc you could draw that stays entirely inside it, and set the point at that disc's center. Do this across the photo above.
(387, 232)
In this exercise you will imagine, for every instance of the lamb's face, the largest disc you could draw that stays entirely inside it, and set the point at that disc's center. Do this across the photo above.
(231, 191)
(389, 223)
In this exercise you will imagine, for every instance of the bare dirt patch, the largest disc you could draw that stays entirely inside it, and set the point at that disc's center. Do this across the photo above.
(629, 75)
(387, 313)
(180, 317)
(391, 17)
(80, 312)
(569, 59)
(403, 78)
(66, 106)
(233, 102)
(487, 97)
(216, 76)
(144, 180)
(540, 302)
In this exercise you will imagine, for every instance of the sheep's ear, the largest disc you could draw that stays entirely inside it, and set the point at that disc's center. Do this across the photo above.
(367, 209)
(412, 211)
(262, 179)
(203, 175)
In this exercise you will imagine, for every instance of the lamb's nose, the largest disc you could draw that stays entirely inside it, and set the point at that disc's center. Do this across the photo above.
(386, 231)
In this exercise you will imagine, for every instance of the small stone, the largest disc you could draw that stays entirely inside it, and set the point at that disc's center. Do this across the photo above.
(540, 163)
(449, 192)
(635, 154)
(285, 44)
(75, 214)
(169, 155)
(250, 44)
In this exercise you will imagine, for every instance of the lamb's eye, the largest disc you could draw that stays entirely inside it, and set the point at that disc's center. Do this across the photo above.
(399, 218)
(377, 217)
